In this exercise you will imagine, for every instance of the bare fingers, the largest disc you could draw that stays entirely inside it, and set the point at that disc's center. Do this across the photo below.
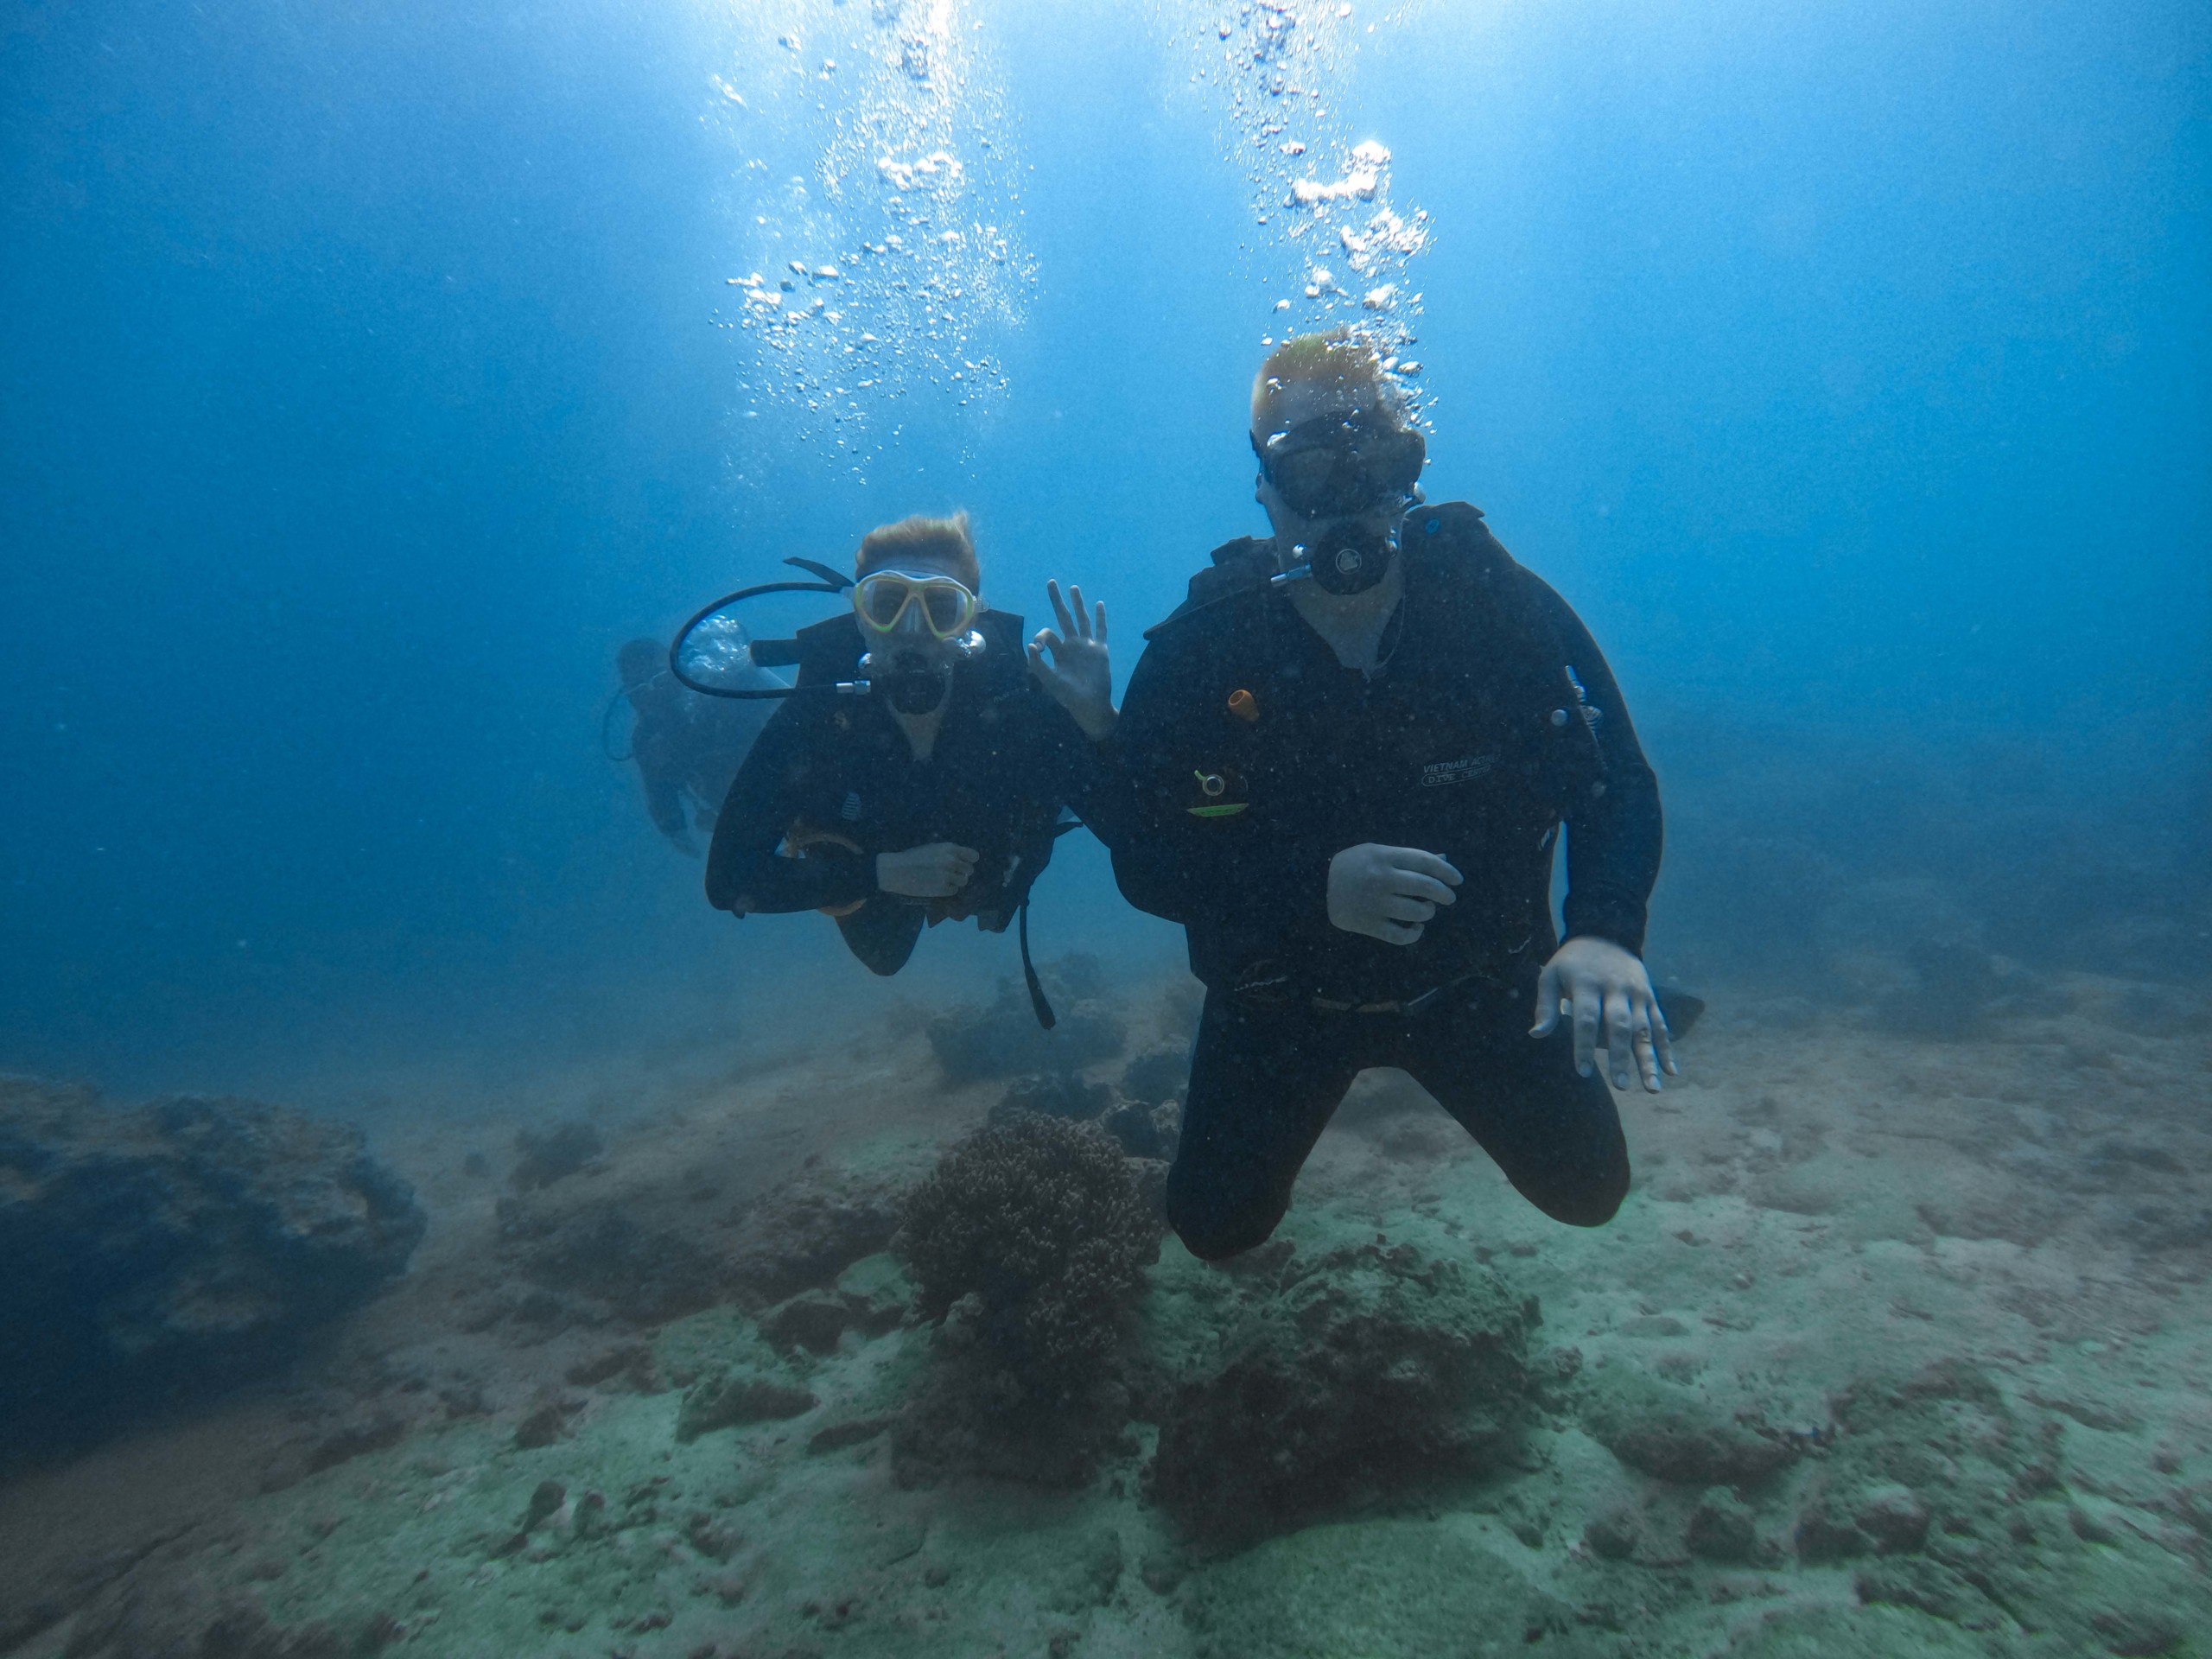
(1548, 1008)
(1589, 1014)
(1620, 1040)
(1663, 1040)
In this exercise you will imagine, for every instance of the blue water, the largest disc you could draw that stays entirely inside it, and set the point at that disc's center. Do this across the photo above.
(368, 374)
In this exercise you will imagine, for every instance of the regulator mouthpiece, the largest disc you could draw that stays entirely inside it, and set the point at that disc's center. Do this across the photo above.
(1348, 557)
(915, 682)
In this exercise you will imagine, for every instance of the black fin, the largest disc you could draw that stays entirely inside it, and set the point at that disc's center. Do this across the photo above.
(1681, 1009)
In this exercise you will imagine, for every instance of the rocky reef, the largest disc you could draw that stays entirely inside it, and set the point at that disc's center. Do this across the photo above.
(1364, 1374)
(158, 1251)
(1004, 1039)
(1026, 1245)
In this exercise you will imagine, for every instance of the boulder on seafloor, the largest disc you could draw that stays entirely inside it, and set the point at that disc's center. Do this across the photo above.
(1370, 1371)
(1677, 1433)
(807, 1232)
(1158, 1075)
(740, 1395)
(176, 1246)
(547, 1155)
(1052, 1094)
(1004, 1039)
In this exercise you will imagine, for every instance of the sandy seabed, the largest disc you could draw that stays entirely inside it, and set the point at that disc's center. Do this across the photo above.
(1980, 1264)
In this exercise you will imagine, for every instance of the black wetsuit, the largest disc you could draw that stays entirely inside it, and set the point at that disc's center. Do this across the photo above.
(832, 782)
(1492, 720)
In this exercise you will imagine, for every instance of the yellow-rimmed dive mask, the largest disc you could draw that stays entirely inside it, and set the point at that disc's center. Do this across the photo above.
(881, 598)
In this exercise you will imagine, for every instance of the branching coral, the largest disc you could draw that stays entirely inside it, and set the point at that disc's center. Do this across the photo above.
(1041, 1220)
(1027, 1241)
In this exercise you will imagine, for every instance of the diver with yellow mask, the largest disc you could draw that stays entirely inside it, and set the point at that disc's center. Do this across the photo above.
(919, 771)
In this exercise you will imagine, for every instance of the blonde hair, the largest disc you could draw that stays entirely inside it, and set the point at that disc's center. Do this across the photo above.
(1341, 360)
(944, 543)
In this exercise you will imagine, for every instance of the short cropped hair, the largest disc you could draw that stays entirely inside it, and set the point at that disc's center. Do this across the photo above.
(944, 543)
(1341, 358)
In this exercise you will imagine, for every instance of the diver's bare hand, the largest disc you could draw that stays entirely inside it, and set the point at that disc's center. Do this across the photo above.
(935, 871)
(1388, 893)
(1080, 677)
(1596, 983)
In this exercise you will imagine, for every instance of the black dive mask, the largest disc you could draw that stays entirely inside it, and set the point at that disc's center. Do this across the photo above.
(1347, 557)
(1337, 465)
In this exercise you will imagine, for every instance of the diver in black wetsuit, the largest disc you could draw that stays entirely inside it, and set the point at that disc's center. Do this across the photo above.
(936, 797)
(687, 748)
(1350, 753)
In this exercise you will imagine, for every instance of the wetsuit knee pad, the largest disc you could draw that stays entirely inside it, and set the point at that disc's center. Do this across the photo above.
(1593, 1204)
(1215, 1232)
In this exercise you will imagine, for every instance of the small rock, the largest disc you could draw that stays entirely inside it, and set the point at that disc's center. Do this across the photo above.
(728, 1588)
(1895, 1518)
(546, 1423)
(549, 1155)
(1670, 1433)
(852, 1432)
(1161, 1572)
(1721, 1528)
(350, 1440)
(1612, 1535)
(1052, 1094)
(716, 1539)
(876, 1294)
(633, 1360)
(548, 1498)
(739, 1395)
(1143, 1131)
(1822, 1538)
(814, 1321)
(1157, 1075)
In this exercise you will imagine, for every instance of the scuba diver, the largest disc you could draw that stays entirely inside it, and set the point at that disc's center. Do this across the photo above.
(918, 770)
(1350, 753)
(685, 744)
